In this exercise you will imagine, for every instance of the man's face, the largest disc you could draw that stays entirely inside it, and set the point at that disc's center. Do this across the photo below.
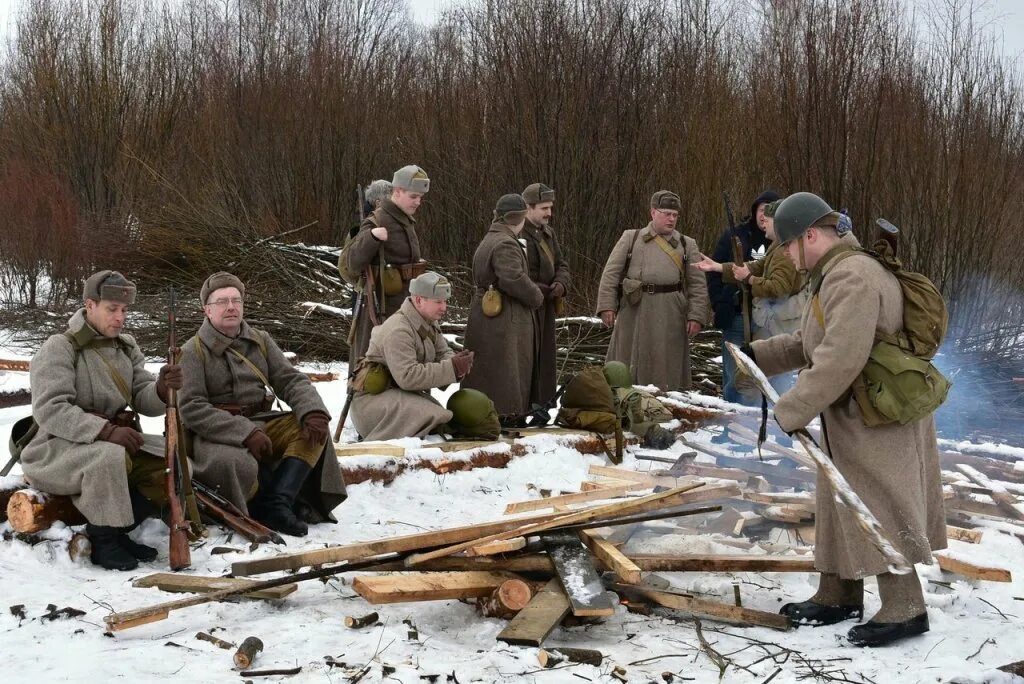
(769, 227)
(106, 317)
(430, 309)
(759, 216)
(664, 220)
(540, 214)
(224, 309)
(407, 200)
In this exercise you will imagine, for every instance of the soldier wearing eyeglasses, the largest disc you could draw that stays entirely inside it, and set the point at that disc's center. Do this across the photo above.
(278, 465)
(654, 298)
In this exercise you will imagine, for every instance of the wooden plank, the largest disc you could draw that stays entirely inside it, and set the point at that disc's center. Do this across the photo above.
(199, 584)
(749, 437)
(790, 477)
(566, 499)
(968, 569)
(806, 498)
(494, 548)
(722, 612)
(378, 547)
(963, 534)
(539, 618)
(590, 485)
(1006, 501)
(643, 504)
(721, 563)
(611, 557)
(428, 586)
(579, 578)
(989, 510)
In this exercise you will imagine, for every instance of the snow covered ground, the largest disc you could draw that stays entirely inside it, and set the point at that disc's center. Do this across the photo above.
(975, 626)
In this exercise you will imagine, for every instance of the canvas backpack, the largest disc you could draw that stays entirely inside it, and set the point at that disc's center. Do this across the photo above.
(588, 404)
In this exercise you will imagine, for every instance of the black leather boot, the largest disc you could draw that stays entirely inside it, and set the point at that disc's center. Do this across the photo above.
(273, 503)
(816, 614)
(108, 549)
(142, 508)
(873, 633)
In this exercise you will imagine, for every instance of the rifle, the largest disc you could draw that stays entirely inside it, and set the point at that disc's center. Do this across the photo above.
(226, 513)
(180, 555)
(737, 260)
(885, 241)
(357, 309)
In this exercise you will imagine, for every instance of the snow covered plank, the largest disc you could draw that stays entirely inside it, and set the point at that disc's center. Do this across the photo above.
(496, 547)
(199, 584)
(1006, 501)
(963, 534)
(611, 557)
(428, 586)
(722, 563)
(566, 499)
(721, 612)
(968, 569)
(539, 618)
(579, 578)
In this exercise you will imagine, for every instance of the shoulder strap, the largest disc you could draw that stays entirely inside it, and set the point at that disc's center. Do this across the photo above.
(667, 249)
(629, 255)
(819, 313)
(122, 385)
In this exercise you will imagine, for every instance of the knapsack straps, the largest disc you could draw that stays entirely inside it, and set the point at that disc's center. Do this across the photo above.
(123, 388)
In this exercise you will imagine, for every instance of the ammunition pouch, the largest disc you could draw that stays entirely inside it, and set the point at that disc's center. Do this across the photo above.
(897, 387)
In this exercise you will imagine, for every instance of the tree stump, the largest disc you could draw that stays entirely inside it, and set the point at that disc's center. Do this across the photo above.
(30, 511)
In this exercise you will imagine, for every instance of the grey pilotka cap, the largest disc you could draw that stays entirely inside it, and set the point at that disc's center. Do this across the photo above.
(536, 193)
(217, 281)
(666, 199)
(430, 285)
(411, 178)
(111, 286)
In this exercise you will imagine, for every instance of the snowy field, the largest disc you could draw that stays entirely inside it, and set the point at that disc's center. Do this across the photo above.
(975, 626)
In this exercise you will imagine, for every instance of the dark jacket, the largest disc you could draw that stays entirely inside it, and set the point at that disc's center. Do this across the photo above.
(725, 298)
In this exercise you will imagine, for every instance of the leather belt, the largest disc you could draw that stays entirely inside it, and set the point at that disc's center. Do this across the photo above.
(650, 288)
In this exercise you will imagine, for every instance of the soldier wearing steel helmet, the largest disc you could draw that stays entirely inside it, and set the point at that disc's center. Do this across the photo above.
(893, 468)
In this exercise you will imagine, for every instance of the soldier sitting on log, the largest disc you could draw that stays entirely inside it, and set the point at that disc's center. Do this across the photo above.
(407, 357)
(89, 385)
(258, 458)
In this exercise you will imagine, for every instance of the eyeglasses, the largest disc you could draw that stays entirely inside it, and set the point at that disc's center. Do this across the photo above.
(668, 213)
(224, 301)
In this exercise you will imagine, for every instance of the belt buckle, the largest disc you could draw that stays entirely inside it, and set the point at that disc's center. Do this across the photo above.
(649, 288)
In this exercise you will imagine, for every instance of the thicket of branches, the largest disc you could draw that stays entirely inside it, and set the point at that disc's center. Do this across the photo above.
(159, 140)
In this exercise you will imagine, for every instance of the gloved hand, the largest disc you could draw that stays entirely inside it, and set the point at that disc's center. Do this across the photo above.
(462, 362)
(315, 427)
(258, 444)
(608, 318)
(557, 290)
(171, 377)
(125, 437)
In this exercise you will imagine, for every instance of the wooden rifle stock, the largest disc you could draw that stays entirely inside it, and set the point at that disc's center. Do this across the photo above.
(737, 260)
(180, 554)
(227, 514)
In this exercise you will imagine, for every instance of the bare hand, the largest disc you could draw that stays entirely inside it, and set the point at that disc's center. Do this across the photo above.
(741, 273)
(557, 290)
(380, 232)
(708, 265)
(608, 318)
(692, 328)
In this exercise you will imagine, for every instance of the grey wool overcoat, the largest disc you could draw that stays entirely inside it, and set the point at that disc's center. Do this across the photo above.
(65, 457)
(418, 358)
(893, 468)
(213, 375)
(505, 345)
(401, 247)
(547, 267)
(650, 335)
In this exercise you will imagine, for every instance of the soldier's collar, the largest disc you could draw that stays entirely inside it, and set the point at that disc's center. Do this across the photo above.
(217, 342)
(825, 263)
(649, 234)
(396, 213)
(84, 335)
(419, 323)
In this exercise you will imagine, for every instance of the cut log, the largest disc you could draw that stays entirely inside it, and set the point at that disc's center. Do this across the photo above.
(507, 600)
(428, 586)
(80, 546)
(5, 497)
(567, 499)
(199, 584)
(713, 610)
(246, 653)
(584, 656)
(968, 569)
(963, 534)
(219, 643)
(14, 365)
(29, 510)
(359, 622)
(611, 557)
(539, 618)
(579, 577)
(494, 548)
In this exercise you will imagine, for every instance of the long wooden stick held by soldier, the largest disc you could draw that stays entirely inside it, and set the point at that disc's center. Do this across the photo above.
(737, 259)
(180, 555)
(866, 520)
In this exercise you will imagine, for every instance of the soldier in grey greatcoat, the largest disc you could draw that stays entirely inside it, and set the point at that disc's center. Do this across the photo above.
(550, 271)
(262, 460)
(655, 298)
(417, 358)
(893, 468)
(88, 386)
(505, 342)
(388, 248)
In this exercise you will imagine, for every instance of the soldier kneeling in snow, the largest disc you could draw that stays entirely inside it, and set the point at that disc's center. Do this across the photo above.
(89, 385)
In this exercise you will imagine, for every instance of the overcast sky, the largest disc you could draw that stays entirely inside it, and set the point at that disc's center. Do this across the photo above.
(1007, 17)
